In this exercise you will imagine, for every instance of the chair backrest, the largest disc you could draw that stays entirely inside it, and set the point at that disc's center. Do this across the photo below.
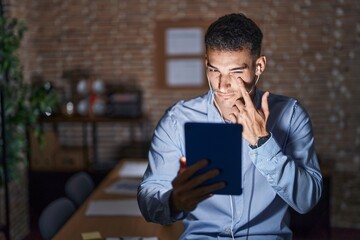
(78, 187)
(54, 216)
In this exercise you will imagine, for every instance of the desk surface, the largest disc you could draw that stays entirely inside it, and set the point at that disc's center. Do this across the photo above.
(114, 226)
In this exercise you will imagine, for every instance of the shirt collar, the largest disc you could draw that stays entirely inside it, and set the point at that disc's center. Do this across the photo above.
(213, 112)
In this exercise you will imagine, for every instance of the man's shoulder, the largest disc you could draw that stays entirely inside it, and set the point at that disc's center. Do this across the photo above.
(198, 104)
(278, 99)
(281, 101)
(194, 109)
(285, 107)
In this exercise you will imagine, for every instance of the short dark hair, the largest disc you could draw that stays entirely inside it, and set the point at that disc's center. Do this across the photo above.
(234, 32)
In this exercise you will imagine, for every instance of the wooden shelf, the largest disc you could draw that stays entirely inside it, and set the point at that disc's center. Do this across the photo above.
(89, 158)
(92, 119)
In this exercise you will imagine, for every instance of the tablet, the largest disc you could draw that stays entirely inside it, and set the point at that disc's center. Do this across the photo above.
(221, 145)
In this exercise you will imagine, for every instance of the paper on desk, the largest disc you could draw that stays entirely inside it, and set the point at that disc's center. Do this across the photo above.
(132, 238)
(126, 207)
(124, 186)
(91, 236)
(133, 169)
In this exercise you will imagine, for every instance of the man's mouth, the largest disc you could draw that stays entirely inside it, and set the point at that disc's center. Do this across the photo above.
(225, 96)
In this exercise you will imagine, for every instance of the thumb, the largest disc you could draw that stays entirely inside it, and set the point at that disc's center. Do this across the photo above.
(182, 164)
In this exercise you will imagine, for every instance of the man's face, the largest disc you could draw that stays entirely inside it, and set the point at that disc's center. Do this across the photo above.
(225, 69)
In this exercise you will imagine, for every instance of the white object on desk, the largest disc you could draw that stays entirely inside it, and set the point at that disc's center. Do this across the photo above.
(124, 186)
(133, 169)
(132, 238)
(128, 207)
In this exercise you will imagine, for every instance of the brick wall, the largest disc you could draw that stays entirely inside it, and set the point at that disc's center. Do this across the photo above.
(312, 49)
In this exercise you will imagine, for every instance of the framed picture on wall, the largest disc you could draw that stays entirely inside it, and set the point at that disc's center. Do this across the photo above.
(180, 54)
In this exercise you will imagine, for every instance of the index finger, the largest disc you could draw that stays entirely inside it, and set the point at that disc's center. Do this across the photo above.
(245, 94)
(265, 104)
(190, 170)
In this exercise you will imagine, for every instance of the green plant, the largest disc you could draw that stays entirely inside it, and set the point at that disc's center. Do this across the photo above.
(23, 102)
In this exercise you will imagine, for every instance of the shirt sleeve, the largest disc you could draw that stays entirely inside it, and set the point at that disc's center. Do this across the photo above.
(155, 189)
(292, 170)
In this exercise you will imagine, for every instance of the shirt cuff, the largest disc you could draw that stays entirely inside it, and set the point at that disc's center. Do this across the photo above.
(264, 158)
(173, 217)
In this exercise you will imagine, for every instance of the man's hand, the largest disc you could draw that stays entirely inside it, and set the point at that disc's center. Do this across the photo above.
(187, 192)
(253, 120)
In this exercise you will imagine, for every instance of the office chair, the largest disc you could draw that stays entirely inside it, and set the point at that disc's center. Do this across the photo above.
(54, 216)
(78, 187)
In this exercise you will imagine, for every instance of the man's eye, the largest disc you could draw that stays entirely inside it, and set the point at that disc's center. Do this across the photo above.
(237, 73)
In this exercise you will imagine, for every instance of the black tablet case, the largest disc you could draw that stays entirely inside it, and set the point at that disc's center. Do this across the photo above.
(221, 144)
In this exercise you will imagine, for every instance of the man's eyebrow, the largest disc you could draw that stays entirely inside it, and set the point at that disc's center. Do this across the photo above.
(209, 65)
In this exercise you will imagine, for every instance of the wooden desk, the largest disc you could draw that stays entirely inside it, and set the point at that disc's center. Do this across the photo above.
(114, 226)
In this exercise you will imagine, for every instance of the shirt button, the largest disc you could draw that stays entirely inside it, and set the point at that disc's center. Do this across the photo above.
(227, 230)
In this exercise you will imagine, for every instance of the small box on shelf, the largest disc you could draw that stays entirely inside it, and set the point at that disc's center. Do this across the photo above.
(42, 155)
(51, 156)
(70, 159)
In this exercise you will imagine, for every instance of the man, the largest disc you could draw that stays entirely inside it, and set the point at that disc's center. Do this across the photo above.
(280, 168)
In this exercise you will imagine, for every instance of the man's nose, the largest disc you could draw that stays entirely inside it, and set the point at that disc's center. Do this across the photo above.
(224, 81)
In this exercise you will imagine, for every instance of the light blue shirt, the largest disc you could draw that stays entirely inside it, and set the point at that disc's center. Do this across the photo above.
(282, 172)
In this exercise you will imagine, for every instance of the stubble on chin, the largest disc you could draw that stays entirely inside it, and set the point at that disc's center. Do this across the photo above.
(225, 107)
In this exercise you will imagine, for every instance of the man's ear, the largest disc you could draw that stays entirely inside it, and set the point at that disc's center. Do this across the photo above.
(206, 59)
(260, 65)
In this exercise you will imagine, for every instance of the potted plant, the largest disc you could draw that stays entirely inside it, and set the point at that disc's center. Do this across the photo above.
(23, 102)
